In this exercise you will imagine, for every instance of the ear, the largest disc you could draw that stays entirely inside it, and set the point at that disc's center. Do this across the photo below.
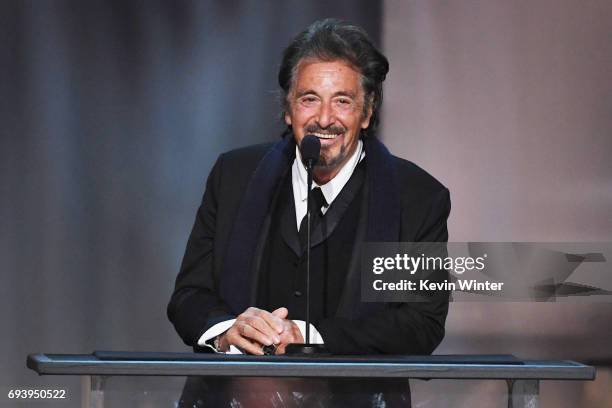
(287, 118)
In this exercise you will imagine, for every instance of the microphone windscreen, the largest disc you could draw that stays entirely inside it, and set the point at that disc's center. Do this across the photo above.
(310, 149)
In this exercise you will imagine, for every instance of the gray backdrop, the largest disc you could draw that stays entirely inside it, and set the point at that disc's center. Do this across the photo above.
(509, 103)
(112, 114)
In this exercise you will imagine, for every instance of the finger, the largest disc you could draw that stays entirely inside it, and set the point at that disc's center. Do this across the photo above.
(297, 334)
(262, 326)
(248, 346)
(234, 338)
(291, 334)
(280, 349)
(257, 329)
(281, 312)
(255, 317)
(273, 321)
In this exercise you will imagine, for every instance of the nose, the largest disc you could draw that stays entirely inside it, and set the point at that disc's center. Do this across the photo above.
(325, 115)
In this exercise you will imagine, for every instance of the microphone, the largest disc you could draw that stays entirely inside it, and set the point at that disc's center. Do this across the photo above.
(310, 148)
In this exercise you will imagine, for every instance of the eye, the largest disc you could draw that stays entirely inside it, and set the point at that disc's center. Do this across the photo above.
(343, 102)
(308, 99)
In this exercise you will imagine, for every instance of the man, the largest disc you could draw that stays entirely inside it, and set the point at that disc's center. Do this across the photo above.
(241, 284)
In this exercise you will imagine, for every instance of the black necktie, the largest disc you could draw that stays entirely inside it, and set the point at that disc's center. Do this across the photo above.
(317, 200)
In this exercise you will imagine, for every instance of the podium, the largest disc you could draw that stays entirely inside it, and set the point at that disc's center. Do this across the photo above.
(522, 376)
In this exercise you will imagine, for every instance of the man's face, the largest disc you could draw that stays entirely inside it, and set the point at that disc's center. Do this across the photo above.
(327, 100)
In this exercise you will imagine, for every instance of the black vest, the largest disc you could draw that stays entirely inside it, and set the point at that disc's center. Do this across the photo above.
(282, 277)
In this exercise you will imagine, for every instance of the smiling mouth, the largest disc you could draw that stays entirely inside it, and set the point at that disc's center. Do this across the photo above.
(327, 135)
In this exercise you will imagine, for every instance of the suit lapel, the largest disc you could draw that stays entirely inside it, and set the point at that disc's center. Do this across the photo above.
(326, 225)
(352, 283)
(252, 221)
(263, 238)
(383, 224)
(289, 226)
(379, 221)
(338, 207)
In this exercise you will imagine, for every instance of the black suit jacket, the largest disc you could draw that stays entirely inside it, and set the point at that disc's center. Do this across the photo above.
(219, 271)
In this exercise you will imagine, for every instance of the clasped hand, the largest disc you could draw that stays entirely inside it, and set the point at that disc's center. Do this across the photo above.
(256, 328)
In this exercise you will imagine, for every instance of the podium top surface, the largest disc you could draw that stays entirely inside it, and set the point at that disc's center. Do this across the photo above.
(220, 365)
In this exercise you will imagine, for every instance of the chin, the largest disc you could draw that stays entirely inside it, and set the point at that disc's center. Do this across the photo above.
(330, 163)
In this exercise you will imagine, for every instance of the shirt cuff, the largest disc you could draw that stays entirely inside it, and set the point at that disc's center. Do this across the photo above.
(222, 327)
(215, 331)
(315, 336)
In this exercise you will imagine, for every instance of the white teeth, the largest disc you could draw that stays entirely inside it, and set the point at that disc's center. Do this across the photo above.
(325, 136)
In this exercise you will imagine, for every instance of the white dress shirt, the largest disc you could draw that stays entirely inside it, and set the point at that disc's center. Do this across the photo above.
(330, 191)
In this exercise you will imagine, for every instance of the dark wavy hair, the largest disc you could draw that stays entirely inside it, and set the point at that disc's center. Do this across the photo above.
(332, 40)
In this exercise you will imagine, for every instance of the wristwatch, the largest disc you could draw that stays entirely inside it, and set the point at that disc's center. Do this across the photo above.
(216, 343)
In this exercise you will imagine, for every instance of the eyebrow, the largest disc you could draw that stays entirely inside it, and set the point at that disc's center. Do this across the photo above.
(303, 92)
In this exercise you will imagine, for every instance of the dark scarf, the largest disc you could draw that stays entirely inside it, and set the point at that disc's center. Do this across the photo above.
(383, 213)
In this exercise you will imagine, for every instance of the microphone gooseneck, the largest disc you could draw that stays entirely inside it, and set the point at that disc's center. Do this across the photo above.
(310, 149)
